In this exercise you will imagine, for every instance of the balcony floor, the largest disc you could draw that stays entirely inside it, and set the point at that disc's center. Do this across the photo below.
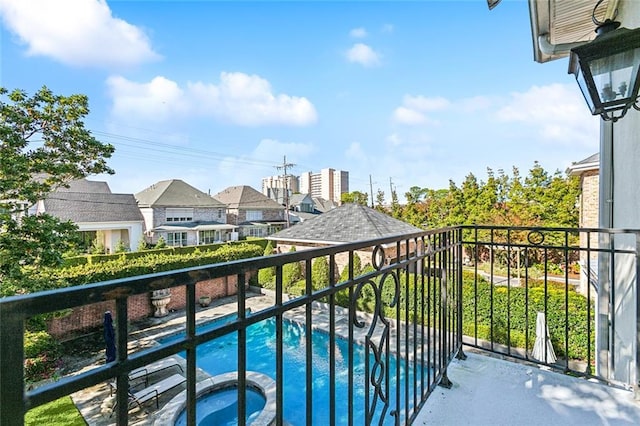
(491, 391)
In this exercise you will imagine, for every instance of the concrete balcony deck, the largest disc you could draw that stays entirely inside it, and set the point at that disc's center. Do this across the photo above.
(491, 391)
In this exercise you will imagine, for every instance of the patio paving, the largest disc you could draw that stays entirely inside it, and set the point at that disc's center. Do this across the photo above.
(486, 390)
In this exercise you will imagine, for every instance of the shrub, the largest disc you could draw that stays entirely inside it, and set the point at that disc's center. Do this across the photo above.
(41, 352)
(291, 272)
(266, 276)
(320, 273)
(161, 243)
(122, 266)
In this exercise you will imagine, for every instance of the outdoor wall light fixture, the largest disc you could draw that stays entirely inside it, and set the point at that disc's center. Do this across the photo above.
(606, 69)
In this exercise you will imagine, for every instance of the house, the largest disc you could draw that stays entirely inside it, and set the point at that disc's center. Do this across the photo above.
(348, 223)
(183, 215)
(255, 214)
(103, 218)
(557, 26)
(588, 170)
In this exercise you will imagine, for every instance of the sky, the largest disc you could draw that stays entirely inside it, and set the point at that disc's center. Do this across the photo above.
(218, 93)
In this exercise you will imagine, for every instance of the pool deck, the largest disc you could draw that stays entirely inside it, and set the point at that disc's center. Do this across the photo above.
(486, 390)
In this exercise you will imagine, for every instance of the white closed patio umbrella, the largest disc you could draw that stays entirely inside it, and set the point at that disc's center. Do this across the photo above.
(542, 348)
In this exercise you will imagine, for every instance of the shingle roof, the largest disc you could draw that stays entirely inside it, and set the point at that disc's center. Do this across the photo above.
(590, 163)
(175, 193)
(347, 223)
(81, 207)
(245, 197)
(86, 186)
(323, 205)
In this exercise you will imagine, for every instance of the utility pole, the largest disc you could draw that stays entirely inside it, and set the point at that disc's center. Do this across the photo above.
(371, 189)
(284, 166)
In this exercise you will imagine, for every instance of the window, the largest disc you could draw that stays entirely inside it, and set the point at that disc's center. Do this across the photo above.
(219, 213)
(209, 237)
(253, 231)
(179, 215)
(254, 214)
(176, 239)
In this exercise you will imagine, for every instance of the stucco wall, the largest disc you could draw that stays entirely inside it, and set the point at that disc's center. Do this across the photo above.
(624, 173)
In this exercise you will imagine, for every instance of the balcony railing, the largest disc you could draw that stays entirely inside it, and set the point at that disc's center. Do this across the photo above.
(408, 339)
(426, 295)
(582, 281)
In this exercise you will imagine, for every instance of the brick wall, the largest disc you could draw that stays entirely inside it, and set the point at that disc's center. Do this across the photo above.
(87, 318)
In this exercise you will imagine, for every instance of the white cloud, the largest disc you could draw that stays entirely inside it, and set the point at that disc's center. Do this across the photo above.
(394, 139)
(358, 33)
(413, 109)
(404, 115)
(355, 151)
(157, 100)
(78, 33)
(422, 103)
(364, 55)
(557, 111)
(238, 98)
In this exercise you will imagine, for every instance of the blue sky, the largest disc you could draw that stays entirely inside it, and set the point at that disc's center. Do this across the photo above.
(217, 92)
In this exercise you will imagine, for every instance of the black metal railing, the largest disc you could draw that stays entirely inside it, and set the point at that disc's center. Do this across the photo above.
(560, 297)
(413, 330)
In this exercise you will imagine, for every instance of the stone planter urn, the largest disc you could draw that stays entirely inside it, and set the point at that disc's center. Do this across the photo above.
(204, 301)
(160, 299)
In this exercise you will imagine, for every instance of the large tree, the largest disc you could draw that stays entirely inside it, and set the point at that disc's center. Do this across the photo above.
(354, 197)
(43, 146)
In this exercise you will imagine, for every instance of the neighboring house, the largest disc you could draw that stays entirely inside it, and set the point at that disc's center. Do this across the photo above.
(183, 215)
(345, 224)
(253, 212)
(556, 26)
(588, 170)
(101, 216)
(301, 208)
(322, 205)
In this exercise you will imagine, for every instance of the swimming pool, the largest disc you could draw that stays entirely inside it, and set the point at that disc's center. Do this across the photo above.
(220, 356)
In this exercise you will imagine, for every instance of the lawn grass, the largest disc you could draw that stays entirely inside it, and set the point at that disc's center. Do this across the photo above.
(60, 412)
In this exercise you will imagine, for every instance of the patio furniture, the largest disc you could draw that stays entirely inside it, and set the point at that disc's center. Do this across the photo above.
(144, 372)
(150, 392)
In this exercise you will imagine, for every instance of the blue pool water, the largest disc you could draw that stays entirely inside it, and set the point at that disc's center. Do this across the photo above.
(220, 408)
(220, 356)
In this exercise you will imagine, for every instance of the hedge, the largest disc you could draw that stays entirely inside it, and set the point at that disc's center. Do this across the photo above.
(100, 258)
(121, 266)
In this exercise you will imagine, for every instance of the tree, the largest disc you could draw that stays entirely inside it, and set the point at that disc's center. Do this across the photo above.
(320, 273)
(43, 146)
(355, 197)
(267, 275)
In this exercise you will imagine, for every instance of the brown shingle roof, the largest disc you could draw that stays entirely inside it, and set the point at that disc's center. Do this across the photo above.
(245, 197)
(175, 193)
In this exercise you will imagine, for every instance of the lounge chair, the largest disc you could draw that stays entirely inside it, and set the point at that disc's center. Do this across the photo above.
(144, 372)
(154, 391)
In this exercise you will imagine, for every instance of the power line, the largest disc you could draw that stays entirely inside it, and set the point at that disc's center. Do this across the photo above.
(284, 167)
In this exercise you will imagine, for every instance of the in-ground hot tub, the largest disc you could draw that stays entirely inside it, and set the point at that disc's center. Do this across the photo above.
(217, 402)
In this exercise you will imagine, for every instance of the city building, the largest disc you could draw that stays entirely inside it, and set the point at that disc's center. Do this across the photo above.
(329, 184)
(275, 187)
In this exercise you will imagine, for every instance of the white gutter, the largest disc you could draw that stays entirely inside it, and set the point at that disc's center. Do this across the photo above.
(556, 49)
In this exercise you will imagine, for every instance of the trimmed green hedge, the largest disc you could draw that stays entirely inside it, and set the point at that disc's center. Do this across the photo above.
(122, 266)
(100, 258)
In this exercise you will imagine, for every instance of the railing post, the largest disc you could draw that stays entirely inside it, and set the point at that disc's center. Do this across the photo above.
(459, 288)
(636, 383)
(12, 407)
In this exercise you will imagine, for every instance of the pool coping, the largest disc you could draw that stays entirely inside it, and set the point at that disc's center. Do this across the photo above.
(168, 415)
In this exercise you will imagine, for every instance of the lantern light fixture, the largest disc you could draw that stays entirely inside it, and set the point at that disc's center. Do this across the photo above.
(607, 69)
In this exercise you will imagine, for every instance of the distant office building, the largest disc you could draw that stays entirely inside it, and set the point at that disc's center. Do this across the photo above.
(275, 187)
(329, 184)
